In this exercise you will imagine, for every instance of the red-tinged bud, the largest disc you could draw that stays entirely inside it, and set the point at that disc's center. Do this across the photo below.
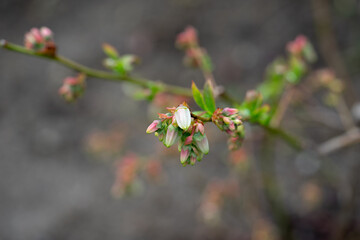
(71, 81)
(229, 131)
(171, 136)
(64, 89)
(183, 117)
(37, 35)
(188, 140)
(110, 50)
(297, 46)
(153, 127)
(230, 111)
(187, 38)
(193, 160)
(200, 128)
(232, 126)
(203, 145)
(184, 155)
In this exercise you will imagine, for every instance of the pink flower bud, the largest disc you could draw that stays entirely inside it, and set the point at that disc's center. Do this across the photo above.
(46, 33)
(71, 81)
(232, 126)
(188, 140)
(203, 145)
(226, 120)
(230, 111)
(153, 127)
(183, 117)
(251, 95)
(298, 45)
(192, 160)
(199, 127)
(171, 136)
(187, 38)
(184, 155)
(37, 35)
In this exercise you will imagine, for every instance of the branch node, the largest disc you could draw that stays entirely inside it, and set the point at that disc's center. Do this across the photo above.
(3, 43)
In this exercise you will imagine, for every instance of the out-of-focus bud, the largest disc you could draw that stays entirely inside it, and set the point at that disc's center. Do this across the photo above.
(153, 127)
(203, 145)
(226, 120)
(193, 57)
(297, 46)
(301, 46)
(252, 95)
(171, 136)
(46, 33)
(126, 174)
(154, 169)
(193, 160)
(110, 50)
(183, 117)
(184, 155)
(188, 38)
(73, 87)
(230, 111)
(40, 40)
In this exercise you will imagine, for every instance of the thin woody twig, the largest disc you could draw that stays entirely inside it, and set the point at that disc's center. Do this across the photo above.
(350, 137)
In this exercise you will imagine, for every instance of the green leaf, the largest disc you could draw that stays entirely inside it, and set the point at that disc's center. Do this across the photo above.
(209, 99)
(197, 96)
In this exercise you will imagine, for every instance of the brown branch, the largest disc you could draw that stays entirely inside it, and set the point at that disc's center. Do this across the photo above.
(349, 138)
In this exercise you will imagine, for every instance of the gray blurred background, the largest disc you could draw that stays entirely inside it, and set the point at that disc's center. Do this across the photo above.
(50, 188)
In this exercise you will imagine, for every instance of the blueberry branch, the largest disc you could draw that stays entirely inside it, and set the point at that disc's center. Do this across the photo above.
(163, 87)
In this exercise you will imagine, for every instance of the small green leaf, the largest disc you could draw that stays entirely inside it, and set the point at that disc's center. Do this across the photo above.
(197, 96)
(209, 99)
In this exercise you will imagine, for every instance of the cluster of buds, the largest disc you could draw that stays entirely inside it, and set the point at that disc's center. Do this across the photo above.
(229, 120)
(73, 87)
(126, 174)
(40, 40)
(179, 125)
(195, 56)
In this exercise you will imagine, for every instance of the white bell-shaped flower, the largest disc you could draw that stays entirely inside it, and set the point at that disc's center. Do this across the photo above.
(183, 117)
